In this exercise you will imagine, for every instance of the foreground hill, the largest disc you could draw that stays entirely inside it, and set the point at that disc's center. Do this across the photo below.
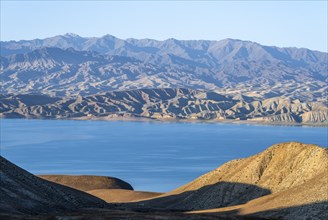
(86, 183)
(309, 199)
(290, 178)
(109, 189)
(164, 104)
(24, 193)
(25, 196)
(286, 181)
(72, 65)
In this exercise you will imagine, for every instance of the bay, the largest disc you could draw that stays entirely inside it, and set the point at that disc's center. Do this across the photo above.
(151, 156)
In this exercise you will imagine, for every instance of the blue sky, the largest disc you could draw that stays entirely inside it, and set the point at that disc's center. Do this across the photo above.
(279, 23)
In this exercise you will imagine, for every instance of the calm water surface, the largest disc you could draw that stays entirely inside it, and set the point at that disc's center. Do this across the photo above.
(149, 155)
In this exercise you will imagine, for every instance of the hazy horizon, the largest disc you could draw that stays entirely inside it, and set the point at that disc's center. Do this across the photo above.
(284, 24)
(163, 40)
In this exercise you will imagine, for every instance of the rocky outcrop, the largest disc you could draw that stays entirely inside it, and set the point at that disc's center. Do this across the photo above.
(165, 104)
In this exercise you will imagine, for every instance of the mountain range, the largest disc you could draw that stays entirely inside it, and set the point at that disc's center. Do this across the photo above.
(70, 65)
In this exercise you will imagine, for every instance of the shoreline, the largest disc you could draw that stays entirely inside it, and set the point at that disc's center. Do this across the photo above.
(177, 120)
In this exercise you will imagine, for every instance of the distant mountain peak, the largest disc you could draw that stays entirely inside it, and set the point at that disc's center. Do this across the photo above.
(108, 36)
(71, 35)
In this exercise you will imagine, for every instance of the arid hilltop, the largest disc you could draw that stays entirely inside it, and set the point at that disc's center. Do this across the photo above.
(165, 104)
(286, 181)
(285, 175)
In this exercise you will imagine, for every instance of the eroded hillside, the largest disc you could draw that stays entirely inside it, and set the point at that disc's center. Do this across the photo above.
(164, 104)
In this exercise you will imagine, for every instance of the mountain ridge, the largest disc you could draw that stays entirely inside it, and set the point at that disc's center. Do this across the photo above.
(132, 39)
(69, 66)
(68, 72)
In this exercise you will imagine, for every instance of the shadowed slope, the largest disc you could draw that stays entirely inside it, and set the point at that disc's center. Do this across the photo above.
(277, 169)
(309, 199)
(220, 194)
(24, 193)
(313, 211)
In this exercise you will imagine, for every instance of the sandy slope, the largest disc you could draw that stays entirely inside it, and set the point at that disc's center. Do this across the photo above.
(279, 167)
(109, 189)
(121, 195)
(291, 177)
(307, 199)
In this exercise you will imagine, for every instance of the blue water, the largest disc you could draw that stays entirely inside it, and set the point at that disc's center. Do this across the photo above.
(151, 156)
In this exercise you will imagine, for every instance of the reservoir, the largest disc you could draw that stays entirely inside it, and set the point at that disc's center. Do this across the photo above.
(151, 156)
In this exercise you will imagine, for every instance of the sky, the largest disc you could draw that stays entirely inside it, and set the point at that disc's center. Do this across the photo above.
(274, 23)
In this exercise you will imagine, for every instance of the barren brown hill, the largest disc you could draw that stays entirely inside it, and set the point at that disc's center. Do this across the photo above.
(24, 193)
(25, 196)
(86, 183)
(286, 181)
(279, 167)
(109, 189)
(278, 177)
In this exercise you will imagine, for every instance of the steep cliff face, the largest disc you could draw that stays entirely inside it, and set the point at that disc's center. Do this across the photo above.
(164, 104)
